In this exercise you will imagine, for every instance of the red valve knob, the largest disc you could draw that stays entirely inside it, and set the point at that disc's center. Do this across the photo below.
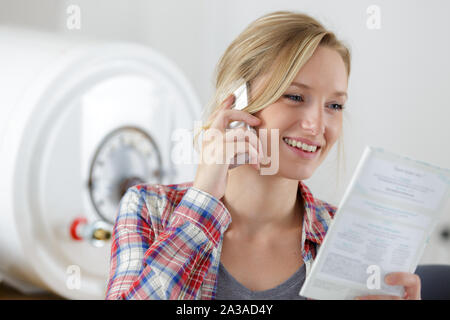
(75, 225)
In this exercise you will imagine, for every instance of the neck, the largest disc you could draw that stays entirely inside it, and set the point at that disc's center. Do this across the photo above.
(261, 204)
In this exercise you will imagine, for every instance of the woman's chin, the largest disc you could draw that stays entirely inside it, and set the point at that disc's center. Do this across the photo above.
(297, 174)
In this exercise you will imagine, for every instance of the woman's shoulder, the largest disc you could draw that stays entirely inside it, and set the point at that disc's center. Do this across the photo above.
(321, 207)
(162, 195)
(169, 190)
(160, 200)
(326, 207)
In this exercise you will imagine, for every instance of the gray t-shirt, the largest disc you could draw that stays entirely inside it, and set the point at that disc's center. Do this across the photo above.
(228, 288)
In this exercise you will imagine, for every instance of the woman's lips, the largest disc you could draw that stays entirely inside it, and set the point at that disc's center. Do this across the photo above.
(303, 154)
(303, 140)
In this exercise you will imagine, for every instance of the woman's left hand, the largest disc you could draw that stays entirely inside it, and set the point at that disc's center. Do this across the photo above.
(410, 281)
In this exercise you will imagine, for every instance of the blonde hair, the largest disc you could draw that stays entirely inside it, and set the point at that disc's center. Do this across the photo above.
(281, 42)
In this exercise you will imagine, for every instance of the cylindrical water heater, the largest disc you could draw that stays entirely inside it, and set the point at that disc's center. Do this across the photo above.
(80, 123)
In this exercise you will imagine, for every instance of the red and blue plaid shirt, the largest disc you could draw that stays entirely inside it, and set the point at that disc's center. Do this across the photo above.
(167, 241)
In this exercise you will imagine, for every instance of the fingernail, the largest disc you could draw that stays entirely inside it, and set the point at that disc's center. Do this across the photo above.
(388, 280)
(230, 98)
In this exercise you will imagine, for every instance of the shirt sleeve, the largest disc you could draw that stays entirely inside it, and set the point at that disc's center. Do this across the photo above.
(173, 263)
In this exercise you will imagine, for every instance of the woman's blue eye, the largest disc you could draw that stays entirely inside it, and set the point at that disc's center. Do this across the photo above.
(294, 97)
(297, 98)
(338, 106)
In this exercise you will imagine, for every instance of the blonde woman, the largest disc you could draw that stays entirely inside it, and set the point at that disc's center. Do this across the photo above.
(240, 234)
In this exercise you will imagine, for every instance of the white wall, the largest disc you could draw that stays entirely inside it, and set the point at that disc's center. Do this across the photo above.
(398, 91)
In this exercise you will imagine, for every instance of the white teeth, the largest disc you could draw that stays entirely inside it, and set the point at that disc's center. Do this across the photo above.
(300, 145)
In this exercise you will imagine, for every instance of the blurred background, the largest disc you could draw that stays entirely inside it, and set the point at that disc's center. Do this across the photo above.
(69, 68)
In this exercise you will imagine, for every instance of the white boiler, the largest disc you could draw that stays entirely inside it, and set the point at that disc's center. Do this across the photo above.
(80, 122)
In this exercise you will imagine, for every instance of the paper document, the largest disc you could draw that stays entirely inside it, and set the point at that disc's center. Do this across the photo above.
(382, 225)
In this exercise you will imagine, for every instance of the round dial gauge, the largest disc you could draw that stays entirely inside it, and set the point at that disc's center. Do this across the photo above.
(126, 157)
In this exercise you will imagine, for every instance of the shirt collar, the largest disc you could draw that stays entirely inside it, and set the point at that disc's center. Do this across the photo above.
(317, 218)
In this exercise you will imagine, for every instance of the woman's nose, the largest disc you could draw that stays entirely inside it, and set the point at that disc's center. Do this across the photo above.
(312, 121)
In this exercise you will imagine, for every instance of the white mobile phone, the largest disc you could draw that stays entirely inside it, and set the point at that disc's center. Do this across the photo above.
(240, 103)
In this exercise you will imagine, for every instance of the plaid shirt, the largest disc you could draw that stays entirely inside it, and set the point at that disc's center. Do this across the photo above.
(167, 241)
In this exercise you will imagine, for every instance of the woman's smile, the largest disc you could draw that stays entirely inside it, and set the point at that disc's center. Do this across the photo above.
(302, 150)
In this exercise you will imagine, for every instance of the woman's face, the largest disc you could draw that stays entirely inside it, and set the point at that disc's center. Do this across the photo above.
(308, 111)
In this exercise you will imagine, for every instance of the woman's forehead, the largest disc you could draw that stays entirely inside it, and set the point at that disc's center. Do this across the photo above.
(325, 67)
(325, 70)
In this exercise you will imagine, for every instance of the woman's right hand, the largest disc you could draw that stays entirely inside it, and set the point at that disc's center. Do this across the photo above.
(212, 174)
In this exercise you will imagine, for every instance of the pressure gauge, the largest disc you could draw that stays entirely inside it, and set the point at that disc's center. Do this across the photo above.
(126, 157)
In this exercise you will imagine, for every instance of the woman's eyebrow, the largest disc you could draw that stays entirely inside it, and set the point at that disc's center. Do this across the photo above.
(302, 85)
